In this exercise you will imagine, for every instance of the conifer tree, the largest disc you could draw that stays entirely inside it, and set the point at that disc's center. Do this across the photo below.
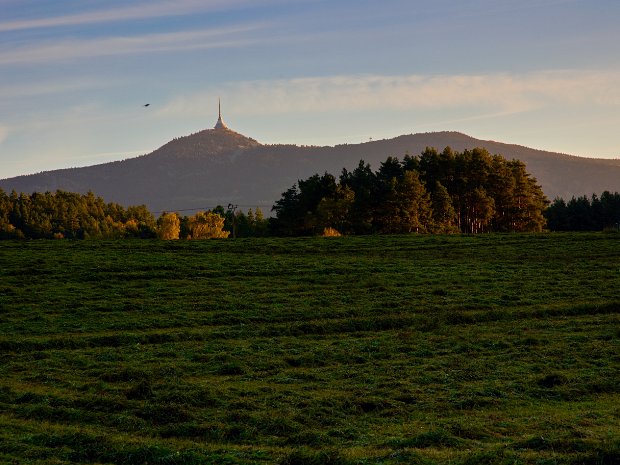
(528, 201)
(444, 216)
(363, 182)
(414, 204)
(480, 209)
(333, 212)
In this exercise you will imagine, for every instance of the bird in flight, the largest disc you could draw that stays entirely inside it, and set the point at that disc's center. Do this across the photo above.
(146, 105)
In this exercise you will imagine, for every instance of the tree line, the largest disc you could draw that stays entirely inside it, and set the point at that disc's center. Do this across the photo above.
(75, 216)
(436, 192)
(596, 213)
(213, 224)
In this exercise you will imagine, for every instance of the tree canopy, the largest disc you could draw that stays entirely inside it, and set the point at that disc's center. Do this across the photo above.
(470, 192)
(436, 192)
(70, 215)
(585, 214)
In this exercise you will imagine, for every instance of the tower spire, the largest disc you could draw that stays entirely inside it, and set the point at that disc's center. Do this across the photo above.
(220, 124)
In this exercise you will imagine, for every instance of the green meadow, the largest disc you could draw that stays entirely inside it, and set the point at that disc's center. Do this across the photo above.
(487, 349)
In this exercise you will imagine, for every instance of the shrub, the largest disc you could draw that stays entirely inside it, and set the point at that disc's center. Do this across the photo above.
(331, 232)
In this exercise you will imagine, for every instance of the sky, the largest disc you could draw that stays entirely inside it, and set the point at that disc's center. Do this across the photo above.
(75, 74)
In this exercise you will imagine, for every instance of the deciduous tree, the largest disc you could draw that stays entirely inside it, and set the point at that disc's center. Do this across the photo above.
(207, 225)
(168, 226)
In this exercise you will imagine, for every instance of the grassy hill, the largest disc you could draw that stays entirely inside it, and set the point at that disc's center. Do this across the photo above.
(494, 349)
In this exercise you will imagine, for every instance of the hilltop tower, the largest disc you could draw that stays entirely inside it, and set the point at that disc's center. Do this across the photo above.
(220, 124)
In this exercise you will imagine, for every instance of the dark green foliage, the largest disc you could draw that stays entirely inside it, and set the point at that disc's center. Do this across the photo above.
(296, 210)
(422, 349)
(444, 214)
(584, 214)
(74, 216)
(470, 192)
(250, 224)
(68, 215)
(365, 187)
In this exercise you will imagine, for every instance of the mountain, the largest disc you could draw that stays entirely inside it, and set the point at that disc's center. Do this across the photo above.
(220, 166)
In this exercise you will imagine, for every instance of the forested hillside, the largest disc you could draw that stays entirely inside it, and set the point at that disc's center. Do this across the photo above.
(395, 199)
(218, 167)
(448, 192)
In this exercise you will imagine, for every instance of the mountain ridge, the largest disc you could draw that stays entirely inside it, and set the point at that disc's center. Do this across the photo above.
(221, 166)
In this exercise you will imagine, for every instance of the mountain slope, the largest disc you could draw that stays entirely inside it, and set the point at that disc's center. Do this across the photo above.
(220, 166)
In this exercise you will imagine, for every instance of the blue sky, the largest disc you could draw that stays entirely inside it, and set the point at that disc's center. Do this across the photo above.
(74, 75)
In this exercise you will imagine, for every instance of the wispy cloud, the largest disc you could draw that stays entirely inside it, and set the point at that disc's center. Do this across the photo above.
(19, 90)
(142, 11)
(149, 43)
(489, 93)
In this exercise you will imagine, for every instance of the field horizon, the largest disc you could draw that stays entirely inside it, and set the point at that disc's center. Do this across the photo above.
(492, 349)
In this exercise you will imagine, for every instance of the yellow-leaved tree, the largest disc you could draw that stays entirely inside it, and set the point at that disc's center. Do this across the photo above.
(168, 226)
(206, 225)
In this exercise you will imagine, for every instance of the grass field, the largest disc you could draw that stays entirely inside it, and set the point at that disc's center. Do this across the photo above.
(489, 349)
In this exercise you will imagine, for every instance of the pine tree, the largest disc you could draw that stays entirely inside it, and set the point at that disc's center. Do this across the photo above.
(289, 213)
(479, 212)
(405, 206)
(444, 215)
(528, 201)
(333, 212)
(415, 204)
(365, 186)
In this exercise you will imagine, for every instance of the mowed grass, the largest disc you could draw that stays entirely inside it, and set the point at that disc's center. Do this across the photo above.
(490, 349)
